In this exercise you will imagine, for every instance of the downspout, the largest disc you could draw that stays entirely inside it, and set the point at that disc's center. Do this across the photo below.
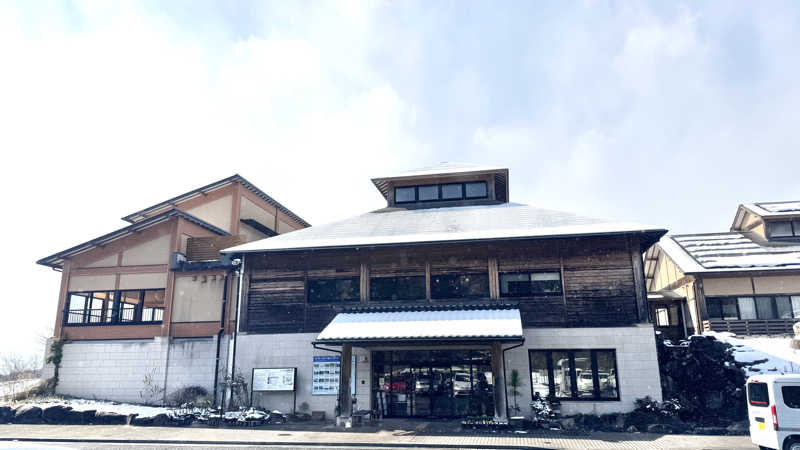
(505, 384)
(219, 335)
(232, 357)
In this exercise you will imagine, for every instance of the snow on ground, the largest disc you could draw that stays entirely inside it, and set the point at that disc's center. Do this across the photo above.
(10, 388)
(97, 405)
(780, 356)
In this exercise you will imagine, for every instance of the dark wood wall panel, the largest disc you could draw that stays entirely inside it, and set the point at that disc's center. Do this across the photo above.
(599, 283)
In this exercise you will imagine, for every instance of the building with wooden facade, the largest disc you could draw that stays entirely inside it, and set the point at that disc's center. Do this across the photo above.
(147, 309)
(423, 308)
(745, 281)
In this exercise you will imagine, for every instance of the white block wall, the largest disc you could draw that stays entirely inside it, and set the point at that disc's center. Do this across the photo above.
(637, 364)
(295, 350)
(117, 369)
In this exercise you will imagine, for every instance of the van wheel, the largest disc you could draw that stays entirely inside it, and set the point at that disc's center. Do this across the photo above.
(792, 443)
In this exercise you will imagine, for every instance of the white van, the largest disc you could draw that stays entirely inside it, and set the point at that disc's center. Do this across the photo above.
(773, 408)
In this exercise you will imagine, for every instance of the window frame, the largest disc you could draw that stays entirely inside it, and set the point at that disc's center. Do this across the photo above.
(531, 283)
(467, 197)
(355, 279)
(396, 278)
(116, 309)
(714, 304)
(573, 376)
(438, 193)
(416, 195)
(487, 294)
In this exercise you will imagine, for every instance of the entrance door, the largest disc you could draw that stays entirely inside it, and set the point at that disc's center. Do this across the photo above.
(438, 383)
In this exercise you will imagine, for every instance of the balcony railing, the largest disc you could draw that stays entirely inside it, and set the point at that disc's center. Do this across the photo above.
(751, 326)
(126, 316)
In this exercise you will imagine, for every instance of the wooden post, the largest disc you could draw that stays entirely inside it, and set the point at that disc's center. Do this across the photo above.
(499, 381)
(642, 308)
(494, 279)
(345, 402)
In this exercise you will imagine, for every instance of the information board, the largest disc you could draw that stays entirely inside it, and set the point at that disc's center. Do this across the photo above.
(326, 371)
(274, 379)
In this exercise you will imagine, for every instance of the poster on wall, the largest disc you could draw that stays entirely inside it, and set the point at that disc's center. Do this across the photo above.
(325, 380)
(274, 379)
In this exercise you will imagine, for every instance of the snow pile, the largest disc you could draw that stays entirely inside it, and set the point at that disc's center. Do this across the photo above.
(777, 351)
(114, 407)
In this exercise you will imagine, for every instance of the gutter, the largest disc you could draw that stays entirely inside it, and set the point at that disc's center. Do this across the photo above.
(235, 335)
(219, 335)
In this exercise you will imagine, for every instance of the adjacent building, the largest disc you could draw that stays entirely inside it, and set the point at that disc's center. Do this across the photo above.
(745, 281)
(147, 309)
(425, 307)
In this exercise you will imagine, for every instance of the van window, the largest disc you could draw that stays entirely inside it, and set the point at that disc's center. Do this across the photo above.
(791, 396)
(757, 394)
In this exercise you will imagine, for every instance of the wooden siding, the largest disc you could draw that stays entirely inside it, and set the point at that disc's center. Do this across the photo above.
(597, 276)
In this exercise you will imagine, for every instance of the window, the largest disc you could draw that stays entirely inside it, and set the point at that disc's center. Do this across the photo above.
(782, 229)
(536, 283)
(752, 308)
(115, 307)
(765, 308)
(757, 394)
(452, 191)
(436, 192)
(747, 309)
(784, 307)
(460, 286)
(397, 288)
(791, 396)
(476, 190)
(405, 194)
(428, 193)
(666, 315)
(574, 374)
(333, 290)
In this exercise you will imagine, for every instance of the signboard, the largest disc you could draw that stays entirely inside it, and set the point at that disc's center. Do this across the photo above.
(325, 379)
(275, 379)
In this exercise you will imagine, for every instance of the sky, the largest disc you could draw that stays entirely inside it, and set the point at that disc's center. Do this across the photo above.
(665, 113)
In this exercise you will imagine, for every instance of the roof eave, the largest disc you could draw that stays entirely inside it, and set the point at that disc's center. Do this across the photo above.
(56, 260)
(652, 237)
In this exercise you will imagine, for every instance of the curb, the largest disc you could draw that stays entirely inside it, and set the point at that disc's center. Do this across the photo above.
(272, 443)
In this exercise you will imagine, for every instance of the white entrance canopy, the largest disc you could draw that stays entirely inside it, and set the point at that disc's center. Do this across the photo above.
(490, 323)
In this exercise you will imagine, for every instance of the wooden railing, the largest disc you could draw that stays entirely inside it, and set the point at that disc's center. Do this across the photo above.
(748, 327)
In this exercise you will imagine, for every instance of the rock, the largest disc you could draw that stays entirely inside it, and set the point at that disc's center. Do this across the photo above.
(738, 428)
(28, 414)
(109, 418)
(142, 421)
(88, 416)
(161, 420)
(632, 429)
(660, 428)
(6, 413)
(72, 417)
(568, 424)
(710, 430)
(55, 413)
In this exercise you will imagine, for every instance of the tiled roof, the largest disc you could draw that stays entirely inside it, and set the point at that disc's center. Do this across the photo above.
(492, 324)
(392, 226)
(774, 209)
(725, 252)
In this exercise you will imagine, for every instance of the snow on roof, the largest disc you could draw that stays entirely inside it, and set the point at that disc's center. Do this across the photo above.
(698, 253)
(431, 324)
(393, 226)
(443, 168)
(767, 209)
